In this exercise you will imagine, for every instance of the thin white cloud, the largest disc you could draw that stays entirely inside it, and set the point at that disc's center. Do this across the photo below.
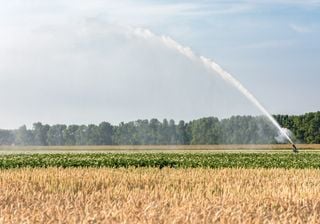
(132, 12)
(299, 3)
(143, 12)
(269, 44)
(300, 29)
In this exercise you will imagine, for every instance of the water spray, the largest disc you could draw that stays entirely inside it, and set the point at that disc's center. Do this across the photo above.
(213, 66)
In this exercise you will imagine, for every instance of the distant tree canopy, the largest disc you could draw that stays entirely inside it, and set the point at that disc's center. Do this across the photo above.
(210, 130)
(306, 128)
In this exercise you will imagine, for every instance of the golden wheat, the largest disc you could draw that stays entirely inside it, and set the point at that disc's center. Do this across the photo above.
(159, 196)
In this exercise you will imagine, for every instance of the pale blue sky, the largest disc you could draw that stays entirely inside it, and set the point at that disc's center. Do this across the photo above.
(273, 47)
(73, 62)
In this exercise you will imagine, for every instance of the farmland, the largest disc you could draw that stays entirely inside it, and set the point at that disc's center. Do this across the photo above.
(149, 195)
(160, 184)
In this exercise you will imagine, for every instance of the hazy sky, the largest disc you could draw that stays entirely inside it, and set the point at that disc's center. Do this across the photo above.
(76, 61)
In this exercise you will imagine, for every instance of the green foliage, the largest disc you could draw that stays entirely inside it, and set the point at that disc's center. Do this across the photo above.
(6, 137)
(173, 160)
(40, 134)
(105, 133)
(23, 136)
(306, 128)
(70, 135)
(56, 134)
(210, 130)
(205, 131)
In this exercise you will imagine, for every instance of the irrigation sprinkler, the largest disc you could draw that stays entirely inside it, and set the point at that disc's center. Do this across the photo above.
(294, 148)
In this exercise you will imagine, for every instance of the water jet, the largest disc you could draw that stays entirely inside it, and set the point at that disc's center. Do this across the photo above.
(217, 69)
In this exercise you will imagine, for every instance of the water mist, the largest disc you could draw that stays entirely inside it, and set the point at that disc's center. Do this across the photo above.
(213, 66)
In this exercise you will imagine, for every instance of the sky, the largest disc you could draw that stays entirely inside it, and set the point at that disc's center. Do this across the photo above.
(69, 61)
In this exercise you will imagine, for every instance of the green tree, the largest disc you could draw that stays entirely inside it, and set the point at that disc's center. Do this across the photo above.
(40, 133)
(81, 135)
(56, 134)
(154, 130)
(70, 135)
(182, 133)
(205, 131)
(105, 133)
(6, 137)
(23, 136)
(126, 134)
(93, 135)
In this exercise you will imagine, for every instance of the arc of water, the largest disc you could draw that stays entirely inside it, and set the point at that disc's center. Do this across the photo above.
(236, 83)
(187, 52)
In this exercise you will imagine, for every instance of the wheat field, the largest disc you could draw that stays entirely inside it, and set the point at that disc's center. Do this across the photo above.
(145, 195)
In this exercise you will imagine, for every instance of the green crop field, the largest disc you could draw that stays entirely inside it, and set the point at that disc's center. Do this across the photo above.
(173, 160)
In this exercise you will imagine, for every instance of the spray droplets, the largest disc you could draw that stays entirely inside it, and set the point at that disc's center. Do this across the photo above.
(281, 138)
(186, 51)
(144, 33)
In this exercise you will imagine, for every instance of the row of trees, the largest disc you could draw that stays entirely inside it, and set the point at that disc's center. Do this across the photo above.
(211, 130)
(306, 128)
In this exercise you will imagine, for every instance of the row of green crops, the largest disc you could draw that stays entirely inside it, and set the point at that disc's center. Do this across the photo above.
(175, 160)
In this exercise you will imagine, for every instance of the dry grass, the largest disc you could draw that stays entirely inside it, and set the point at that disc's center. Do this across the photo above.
(156, 148)
(159, 196)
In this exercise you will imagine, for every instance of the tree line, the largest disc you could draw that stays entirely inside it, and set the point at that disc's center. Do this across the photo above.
(210, 130)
